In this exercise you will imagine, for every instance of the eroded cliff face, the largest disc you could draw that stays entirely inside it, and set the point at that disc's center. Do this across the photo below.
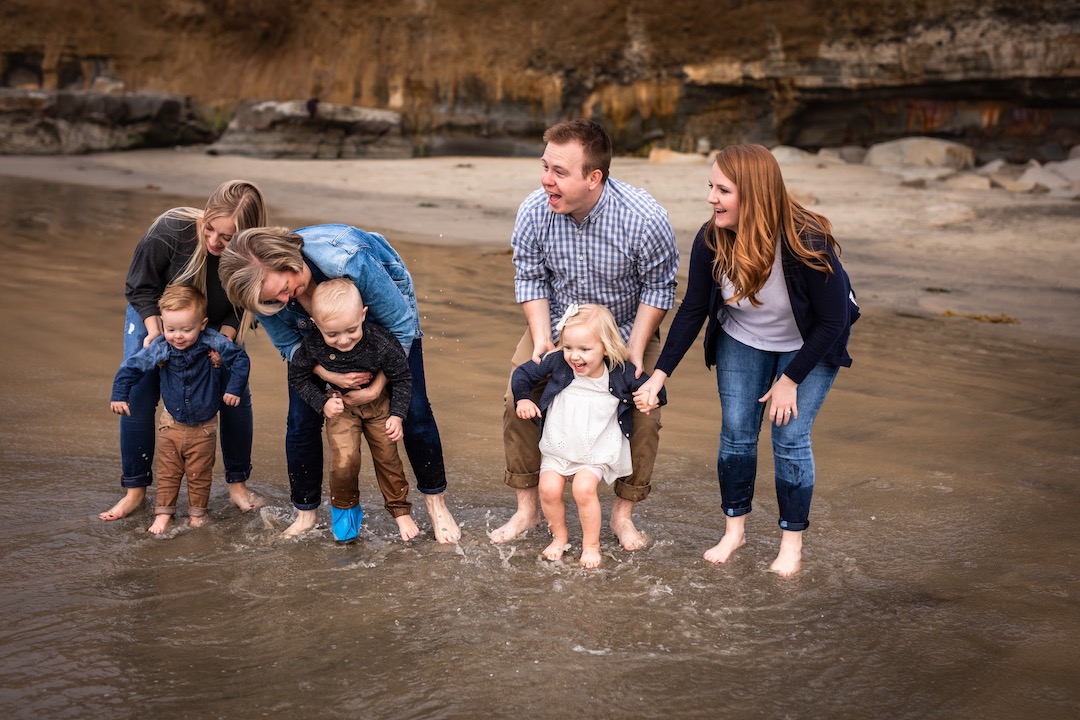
(1001, 75)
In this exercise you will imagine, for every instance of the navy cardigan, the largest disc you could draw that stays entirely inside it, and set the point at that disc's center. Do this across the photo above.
(823, 305)
(623, 384)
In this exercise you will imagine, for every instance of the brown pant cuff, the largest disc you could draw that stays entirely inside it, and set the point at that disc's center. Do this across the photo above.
(633, 493)
(521, 481)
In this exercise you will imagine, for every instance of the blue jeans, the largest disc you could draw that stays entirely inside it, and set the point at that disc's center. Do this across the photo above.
(304, 443)
(744, 374)
(138, 431)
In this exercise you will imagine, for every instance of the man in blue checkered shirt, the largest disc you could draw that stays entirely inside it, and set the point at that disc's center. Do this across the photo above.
(584, 237)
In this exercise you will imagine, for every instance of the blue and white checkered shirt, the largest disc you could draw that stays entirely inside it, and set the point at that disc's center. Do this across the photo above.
(623, 254)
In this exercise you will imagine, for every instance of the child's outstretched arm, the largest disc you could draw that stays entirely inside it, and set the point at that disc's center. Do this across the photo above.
(394, 430)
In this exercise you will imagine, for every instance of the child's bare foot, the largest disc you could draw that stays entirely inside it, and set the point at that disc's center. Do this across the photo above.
(407, 527)
(526, 517)
(197, 520)
(555, 550)
(243, 498)
(590, 556)
(442, 522)
(789, 560)
(132, 501)
(160, 523)
(305, 520)
(723, 550)
(622, 524)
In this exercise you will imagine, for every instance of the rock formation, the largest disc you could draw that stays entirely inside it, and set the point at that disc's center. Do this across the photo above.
(1000, 76)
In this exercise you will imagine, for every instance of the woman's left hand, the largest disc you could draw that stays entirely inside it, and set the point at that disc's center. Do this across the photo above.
(784, 395)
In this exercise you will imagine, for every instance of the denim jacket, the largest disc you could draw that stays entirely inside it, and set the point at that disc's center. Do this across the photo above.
(190, 385)
(336, 251)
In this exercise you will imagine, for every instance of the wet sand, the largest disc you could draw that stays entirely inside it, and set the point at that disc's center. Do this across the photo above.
(940, 569)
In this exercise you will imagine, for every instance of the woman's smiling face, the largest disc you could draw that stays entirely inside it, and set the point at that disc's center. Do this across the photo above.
(724, 197)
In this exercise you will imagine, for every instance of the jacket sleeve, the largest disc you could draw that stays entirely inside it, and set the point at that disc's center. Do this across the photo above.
(386, 305)
(236, 359)
(306, 383)
(827, 294)
(133, 368)
(694, 309)
(528, 375)
(168, 243)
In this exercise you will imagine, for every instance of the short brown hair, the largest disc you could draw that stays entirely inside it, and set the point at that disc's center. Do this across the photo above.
(181, 297)
(593, 138)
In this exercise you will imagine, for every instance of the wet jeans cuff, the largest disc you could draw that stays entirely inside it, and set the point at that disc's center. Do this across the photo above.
(137, 481)
(237, 476)
(633, 493)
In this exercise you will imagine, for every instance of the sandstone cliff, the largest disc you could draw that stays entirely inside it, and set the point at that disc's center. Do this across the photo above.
(1000, 75)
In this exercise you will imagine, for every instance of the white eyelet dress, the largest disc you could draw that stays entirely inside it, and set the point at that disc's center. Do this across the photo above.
(582, 430)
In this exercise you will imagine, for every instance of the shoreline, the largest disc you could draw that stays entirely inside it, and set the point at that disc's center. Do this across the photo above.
(930, 252)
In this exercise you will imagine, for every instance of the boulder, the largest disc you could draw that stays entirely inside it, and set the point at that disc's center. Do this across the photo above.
(920, 152)
(787, 155)
(1042, 179)
(313, 130)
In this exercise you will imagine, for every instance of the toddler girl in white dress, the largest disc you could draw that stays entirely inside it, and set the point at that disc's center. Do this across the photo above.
(585, 412)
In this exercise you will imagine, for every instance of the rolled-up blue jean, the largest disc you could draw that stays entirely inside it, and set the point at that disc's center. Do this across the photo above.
(304, 443)
(138, 431)
(744, 374)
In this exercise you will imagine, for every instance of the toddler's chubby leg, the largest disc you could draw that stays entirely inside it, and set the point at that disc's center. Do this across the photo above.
(161, 521)
(551, 490)
(588, 505)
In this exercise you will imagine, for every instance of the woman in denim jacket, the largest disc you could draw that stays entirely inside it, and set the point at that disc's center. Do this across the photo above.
(272, 272)
(766, 276)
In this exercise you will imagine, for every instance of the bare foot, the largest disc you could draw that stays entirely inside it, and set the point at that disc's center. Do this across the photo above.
(243, 498)
(723, 550)
(160, 523)
(305, 520)
(442, 522)
(197, 520)
(789, 560)
(622, 524)
(555, 550)
(590, 557)
(132, 501)
(407, 527)
(526, 517)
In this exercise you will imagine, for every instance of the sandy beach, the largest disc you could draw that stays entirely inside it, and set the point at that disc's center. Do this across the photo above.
(941, 565)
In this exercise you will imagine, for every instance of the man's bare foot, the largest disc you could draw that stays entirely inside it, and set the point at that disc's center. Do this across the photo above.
(160, 523)
(132, 501)
(555, 550)
(442, 522)
(789, 560)
(243, 498)
(590, 556)
(526, 517)
(407, 527)
(197, 520)
(622, 524)
(305, 520)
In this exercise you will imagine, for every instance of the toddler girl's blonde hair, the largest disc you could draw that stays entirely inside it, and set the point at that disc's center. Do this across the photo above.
(602, 324)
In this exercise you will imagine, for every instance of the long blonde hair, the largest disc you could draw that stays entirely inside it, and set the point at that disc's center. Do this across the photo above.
(237, 199)
(602, 324)
(765, 211)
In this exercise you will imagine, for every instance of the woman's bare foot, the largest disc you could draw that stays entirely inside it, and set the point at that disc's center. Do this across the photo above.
(590, 556)
(407, 527)
(243, 498)
(622, 524)
(132, 501)
(197, 520)
(789, 560)
(526, 517)
(442, 522)
(723, 550)
(305, 520)
(160, 523)
(555, 550)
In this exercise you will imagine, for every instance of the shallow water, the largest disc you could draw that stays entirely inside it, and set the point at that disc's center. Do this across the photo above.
(940, 573)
